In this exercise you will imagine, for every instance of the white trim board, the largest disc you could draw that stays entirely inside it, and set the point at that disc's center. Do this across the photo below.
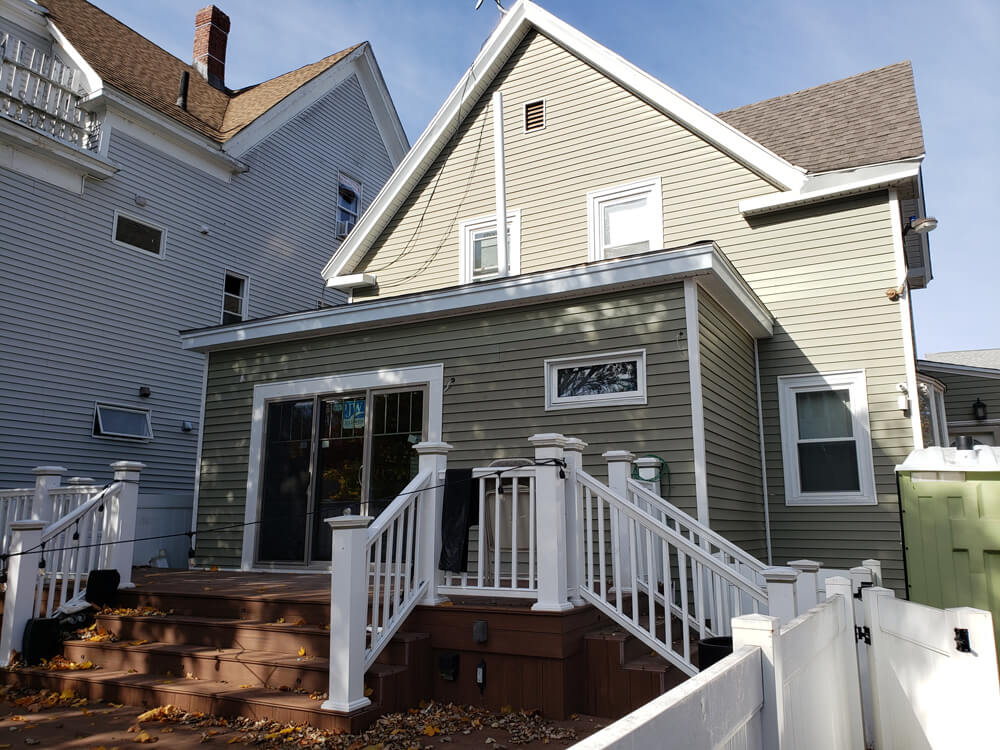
(704, 260)
(430, 375)
(32, 152)
(693, 325)
(513, 27)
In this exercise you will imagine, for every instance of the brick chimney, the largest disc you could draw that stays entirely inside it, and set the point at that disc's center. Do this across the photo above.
(211, 32)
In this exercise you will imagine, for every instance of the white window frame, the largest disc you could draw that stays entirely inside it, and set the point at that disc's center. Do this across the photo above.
(98, 405)
(597, 199)
(524, 116)
(146, 222)
(939, 420)
(856, 383)
(341, 175)
(244, 306)
(555, 402)
(466, 231)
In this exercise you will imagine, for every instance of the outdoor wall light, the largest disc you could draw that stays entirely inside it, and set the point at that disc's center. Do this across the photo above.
(145, 391)
(920, 225)
(979, 410)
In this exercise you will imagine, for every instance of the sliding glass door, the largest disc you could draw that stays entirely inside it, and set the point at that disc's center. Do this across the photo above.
(328, 455)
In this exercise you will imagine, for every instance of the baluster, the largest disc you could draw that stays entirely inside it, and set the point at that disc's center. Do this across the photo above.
(411, 537)
(376, 583)
(588, 565)
(497, 531)
(651, 581)
(387, 583)
(532, 535)
(633, 568)
(699, 595)
(602, 570)
(481, 546)
(682, 584)
(515, 486)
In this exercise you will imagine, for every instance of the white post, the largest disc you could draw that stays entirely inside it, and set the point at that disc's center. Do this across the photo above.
(805, 586)
(500, 185)
(878, 728)
(853, 697)
(348, 612)
(764, 632)
(121, 521)
(22, 576)
(781, 601)
(865, 575)
(619, 470)
(573, 451)
(875, 566)
(47, 478)
(433, 458)
(550, 523)
(647, 467)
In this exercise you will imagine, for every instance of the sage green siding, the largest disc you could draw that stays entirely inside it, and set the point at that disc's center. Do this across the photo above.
(732, 438)
(495, 403)
(963, 390)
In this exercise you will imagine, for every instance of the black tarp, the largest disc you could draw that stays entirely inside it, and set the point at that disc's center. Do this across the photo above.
(460, 511)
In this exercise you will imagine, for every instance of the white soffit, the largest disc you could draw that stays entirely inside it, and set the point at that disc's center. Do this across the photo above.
(704, 261)
(513, 27)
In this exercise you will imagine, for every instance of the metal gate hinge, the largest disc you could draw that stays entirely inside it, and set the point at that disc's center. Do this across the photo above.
(962, 641)
(862, 633)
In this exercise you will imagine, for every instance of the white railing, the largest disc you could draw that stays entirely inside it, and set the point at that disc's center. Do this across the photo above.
(679, 588)
(393, 549)
(502, 556)
(42, 92)
(67, 498)
(14, 505)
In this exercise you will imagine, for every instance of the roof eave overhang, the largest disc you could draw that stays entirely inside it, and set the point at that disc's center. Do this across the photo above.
(60, 155)
(511, 30)
(950, 368)
(704, 261)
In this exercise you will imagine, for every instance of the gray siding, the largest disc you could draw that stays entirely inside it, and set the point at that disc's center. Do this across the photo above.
(963, 390)
(732, 440)
(87, 320)
(496, 402)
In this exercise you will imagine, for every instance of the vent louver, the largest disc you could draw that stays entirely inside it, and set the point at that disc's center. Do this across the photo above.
(534, 116)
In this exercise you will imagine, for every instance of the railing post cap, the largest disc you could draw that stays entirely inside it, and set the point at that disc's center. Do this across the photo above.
(49, 471)
(756, 622)
(548, 440)
(806, 566)
(128, 466)
(837, 581)
(432, 448)
(28, 525)
(574, 444)
(646, 461)
(349, 522)
(780, 575)
(80, 481)
(871, 563)
(615, 456)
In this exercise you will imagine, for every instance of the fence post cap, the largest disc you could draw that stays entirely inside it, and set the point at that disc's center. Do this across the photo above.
(49, 471)
(128, 466)
(616, 456)
(806, 566)
(574, 444)
(871, 563)
(349, 522)
(647, 462)
(548, 440)
(80, 481)
(756, 622)
(28, 525)
(432, 448)
(780, 575)
(837, 581)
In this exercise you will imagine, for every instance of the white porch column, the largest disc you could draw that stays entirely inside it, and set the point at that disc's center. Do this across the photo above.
(47, 478)
(550, 512)
(433, 458)
(121, 521)
(348, 612)
(781, 601)
(573, 451)
(619, 470)
(806, 590)
(764, 631)
(22, 575)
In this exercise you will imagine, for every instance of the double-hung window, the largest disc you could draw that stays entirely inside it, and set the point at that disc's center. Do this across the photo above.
(348, 204)
(625, 219)
(826, 439)
(480, 257)
(234, 298)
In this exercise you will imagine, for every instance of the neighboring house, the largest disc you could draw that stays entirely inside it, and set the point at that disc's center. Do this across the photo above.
(708, 289)
(962, 396)
(142, 196)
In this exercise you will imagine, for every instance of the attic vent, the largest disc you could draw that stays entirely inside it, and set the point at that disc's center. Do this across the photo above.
(534, 116)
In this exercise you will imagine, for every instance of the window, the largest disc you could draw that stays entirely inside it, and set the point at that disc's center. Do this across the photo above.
(137, 233)
(234, 298)
(112, 421)
(612, 379)
(534, 116)
(625, 220)
(479, 256)
(826, 440)
(348, 204)
(933, 422)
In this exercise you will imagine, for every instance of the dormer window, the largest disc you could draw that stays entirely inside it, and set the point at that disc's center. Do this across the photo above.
(625, 219)
(348, 204)
(480, 258)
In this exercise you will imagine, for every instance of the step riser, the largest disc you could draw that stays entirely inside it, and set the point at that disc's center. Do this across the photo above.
(281, 639)
(228, 608)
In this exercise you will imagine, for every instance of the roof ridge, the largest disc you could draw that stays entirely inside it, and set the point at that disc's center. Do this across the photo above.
(233, 93)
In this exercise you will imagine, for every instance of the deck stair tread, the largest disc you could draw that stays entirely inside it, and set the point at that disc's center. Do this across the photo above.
(242, 655)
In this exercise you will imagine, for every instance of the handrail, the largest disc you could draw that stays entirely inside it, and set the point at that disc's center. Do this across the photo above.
(61, 524)
(396, 506)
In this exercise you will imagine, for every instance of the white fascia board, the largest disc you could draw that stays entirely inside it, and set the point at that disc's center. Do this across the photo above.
(651, 269)
(829, 185)
(382, 107)
(93, 80)
(512, 28)
(953, 369)
(40, 155)
(140, 121)
(353, 281)
(26, 14)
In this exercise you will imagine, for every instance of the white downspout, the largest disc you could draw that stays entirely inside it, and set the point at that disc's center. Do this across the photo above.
(503, 263)
(763, 458)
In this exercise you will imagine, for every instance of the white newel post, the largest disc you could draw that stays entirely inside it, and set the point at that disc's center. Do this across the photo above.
(121, 521)
(348, 612)
(47, 478)
(647, 467)
(764, 631)
(875, 566)
(550, 512)
(433, 458)
(22, 575)
(781, 600)
(805, 586)
(619, 470)
(573, 451)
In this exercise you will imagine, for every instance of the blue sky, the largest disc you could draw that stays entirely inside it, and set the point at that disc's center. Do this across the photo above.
(720, 53)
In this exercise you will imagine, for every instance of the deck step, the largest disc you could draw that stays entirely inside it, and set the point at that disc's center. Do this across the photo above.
(213, 601)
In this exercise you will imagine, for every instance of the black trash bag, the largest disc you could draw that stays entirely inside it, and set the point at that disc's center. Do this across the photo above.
(102, 587)
(460, 511)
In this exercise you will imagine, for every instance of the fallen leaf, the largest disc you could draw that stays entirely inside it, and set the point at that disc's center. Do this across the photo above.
(280, 620)
(300, 621)
(430, 730)
(145, 738)
(302, 651)
(214, 569)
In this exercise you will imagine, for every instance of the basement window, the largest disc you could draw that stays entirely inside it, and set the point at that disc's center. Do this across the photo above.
(534, 116)
(612, 379)
(131, 231)
(112, 421)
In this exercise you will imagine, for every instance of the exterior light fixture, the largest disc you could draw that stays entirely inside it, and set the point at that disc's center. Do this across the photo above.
(920, 225)
(979, 410)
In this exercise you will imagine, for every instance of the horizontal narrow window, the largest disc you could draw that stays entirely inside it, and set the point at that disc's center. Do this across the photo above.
(139, 234)
(113, 421)
(613, 379)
